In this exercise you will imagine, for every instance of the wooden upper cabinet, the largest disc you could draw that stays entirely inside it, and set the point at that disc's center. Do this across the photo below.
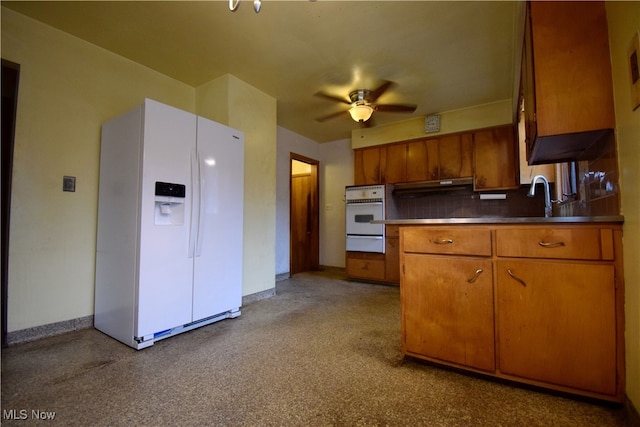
(366, 166)
(495, 161)
(567, 80)
(422, 160)
(394, 163)
(443, 157)
(455, 154)
(448, 156)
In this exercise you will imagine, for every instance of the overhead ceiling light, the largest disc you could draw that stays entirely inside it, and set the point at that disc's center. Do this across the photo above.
(233, 5)
(361, 112)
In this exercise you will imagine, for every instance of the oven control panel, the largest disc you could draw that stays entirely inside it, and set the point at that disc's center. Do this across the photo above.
(364, 194)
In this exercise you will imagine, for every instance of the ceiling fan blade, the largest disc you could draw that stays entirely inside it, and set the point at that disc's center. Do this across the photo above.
(332, 97)
(396, 108)
(330, 116)
(375, 94)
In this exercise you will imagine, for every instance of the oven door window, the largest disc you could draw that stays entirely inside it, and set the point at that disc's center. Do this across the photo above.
(360, 215)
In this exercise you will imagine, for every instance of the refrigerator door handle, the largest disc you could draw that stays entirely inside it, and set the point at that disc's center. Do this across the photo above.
(202, 202)
(195, 203)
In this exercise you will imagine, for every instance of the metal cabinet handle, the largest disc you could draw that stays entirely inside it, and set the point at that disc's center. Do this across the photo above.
(516, 278)
(550, 244)
(475, 276)
(443, 241)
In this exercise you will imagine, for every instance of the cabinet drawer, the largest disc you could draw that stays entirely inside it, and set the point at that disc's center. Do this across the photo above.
(448, 241)
(559, 243)
(366, 266)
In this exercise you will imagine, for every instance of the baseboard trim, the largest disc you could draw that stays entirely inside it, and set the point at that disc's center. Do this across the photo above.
(57, 328)
(282, 276)
(49, 330)
(247, 299)
(632, 415)
(331, 268)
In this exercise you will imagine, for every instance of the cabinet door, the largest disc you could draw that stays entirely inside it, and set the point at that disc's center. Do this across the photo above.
(366, 166)
(572, 66)
(422, 160)
(556, 323)
(455, 154)
(447, 309)
(495, 161)
(395, 163)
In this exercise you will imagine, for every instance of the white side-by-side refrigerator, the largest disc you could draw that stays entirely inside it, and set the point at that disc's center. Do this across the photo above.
(170, 220)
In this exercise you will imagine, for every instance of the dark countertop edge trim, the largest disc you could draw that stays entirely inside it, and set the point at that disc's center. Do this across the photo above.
(510, 220)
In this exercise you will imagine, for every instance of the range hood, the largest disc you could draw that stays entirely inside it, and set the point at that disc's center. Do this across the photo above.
(436, 185)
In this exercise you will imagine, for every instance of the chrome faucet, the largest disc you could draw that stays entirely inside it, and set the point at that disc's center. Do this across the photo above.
(547, 195)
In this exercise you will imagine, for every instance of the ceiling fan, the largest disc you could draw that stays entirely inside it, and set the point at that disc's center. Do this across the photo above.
(363, 103)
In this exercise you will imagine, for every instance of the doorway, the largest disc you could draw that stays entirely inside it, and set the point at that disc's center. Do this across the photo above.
(304, 232)
(10, 77)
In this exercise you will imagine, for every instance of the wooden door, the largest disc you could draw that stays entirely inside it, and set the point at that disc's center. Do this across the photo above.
(304, 221)
(447, 305)
(555, 323)
(10, 78)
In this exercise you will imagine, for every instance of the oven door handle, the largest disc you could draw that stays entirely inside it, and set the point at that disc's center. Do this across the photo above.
(351, 236)
(363, 203)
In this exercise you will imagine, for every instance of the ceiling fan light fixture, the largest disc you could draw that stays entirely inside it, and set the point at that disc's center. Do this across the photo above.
(361, 112)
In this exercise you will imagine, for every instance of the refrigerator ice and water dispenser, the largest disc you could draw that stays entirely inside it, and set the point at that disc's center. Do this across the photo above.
(169, 203)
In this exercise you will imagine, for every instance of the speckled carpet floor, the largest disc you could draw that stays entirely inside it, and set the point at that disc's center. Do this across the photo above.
(322, 352)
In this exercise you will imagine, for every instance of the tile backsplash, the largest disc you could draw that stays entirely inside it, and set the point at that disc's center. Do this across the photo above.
(464, 203)
(598, 192)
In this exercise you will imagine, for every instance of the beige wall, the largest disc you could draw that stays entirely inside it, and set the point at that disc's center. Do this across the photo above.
(67, 89)
(477, 117)
(336, 172)
(233, 102)
(624, 21)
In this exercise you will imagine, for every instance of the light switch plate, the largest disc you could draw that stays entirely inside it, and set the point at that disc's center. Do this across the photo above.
(69, 183)
(432, 123)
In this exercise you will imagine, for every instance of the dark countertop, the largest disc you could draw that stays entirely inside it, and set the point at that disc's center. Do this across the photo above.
(509, 220)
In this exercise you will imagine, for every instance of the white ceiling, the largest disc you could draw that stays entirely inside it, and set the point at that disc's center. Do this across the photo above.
(441, 55)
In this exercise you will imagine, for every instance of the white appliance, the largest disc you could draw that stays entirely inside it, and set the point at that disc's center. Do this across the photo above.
(170, 220)
(363, 205)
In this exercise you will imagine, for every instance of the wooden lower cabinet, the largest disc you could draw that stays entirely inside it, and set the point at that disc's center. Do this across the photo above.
(542, 310)
(556, 323)
(448, 312)
(365, 265)
(383, 268)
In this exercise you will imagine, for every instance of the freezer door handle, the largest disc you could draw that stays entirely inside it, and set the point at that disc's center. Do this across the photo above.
(202, 202)
(195, 204)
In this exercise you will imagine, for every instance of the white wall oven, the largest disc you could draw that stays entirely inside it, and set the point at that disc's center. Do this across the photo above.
(363, 205)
